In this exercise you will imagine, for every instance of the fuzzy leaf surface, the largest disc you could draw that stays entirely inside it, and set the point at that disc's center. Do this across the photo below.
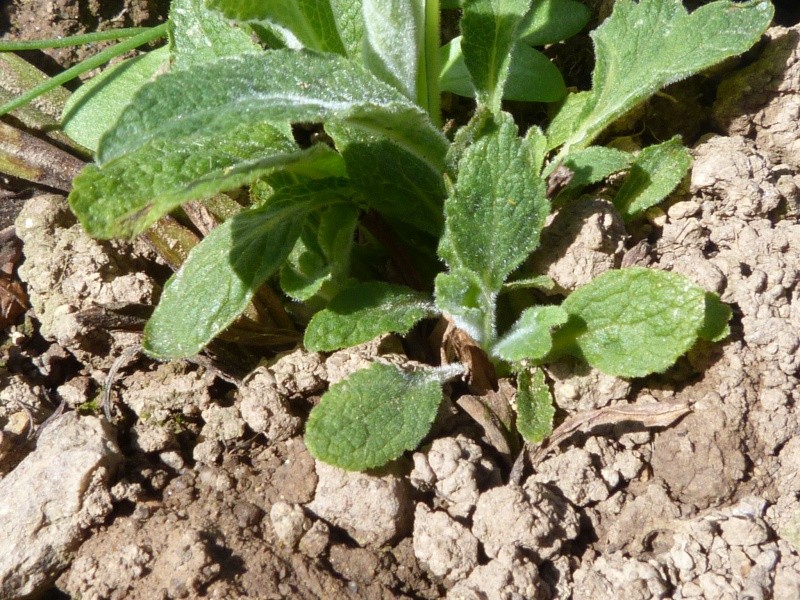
(350, 22)
(395, 182)
(198, 34)
(633, 322)
(489, 30)
(646, 45)
(498, 205)
(321, 255)
(531, 336)
(595, 163)
(532, 77)
(655, 173)
(96, 105)
(221, 274)
(311, 22)
(364, 311)
(126, 195)
(535, 410)
(550, 21)
(393, 41)
(463, 297)
(274, 86)
(373, 416)
(206, 129)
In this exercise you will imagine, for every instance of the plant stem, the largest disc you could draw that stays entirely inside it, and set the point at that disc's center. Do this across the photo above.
(87, 65)
(72, 40)
(429, 96)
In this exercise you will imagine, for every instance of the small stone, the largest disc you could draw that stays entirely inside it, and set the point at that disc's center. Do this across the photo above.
(316, 540)
(289, 522)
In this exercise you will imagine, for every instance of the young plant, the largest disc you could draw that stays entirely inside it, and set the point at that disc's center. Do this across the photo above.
(229, 114)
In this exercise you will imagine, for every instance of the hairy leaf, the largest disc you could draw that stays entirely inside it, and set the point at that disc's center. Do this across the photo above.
(301, 23)
(498, 205)
(531, 336)
(464, 298)
(393, 42)
(633, 322)
(204, 129)
(350, 22)
(321, 255)
(96, 105)
(655, 173)
(394, 181)
(275, 86)
(375, 415)
(128, 194)
(222, 273)
(364, 311)
(532, 77)
(489, 30)
(646, 45)
(550, 21)
(535, 410)
(593, 164)
(199, 35)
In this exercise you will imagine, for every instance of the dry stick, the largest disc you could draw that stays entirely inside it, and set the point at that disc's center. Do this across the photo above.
(123, 358)
(658, 414)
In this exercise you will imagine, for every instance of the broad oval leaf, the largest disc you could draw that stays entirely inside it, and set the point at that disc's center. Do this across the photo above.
(531, 336)
(311, 22)
(364, 311)
(374, 416)
(550, 21)
(273, 86)
(221, 274)
(463, 297)
(532, 77)
(498, 206)
(96, 105)
(393, 42)
(655, 173)
(633, 322)
(198, 34)
(489, 31)
(646, 45)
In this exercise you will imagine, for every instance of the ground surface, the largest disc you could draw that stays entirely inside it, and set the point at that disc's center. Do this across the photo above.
(205, 489)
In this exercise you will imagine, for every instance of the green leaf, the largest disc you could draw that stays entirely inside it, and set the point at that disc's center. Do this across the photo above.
(595, 163)
(199, 35)
(550, 21)
(350, 22)
(655, 173)
(463, 297)
(126, 195)
(204, 129)
(394, 181)
(375, 415)
(489, 30)
(498, 206)
(633, 322)
(222, 273)
(393, 42)
(97, 104)
(321, 255)
(535, 410)
(646, 45)
(715, 327)
(532, 77)
(531, 336)
(364, 311)
(302, 23)
(275, 86)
